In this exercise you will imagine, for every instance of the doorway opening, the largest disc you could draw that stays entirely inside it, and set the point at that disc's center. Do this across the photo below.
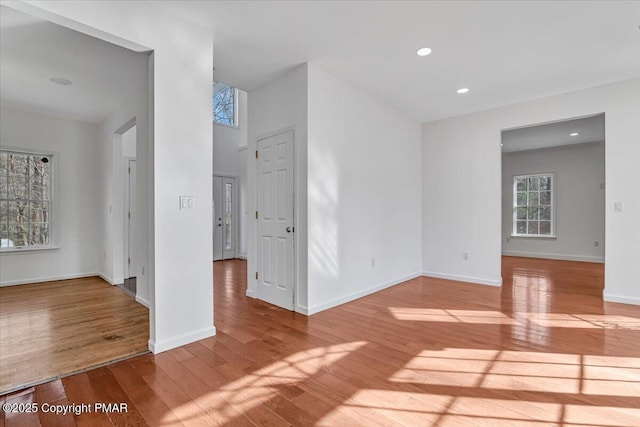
(230, 132)
(553, 192)
(66, 110)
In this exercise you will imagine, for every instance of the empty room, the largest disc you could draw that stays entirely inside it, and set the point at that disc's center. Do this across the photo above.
(67, 203)
(345, 213)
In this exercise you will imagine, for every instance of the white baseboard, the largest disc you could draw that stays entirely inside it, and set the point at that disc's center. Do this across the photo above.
(563, 257)
(142, 301)
(180, 340)
(106, 279)
(48, 279)
(468, 279)
(620, 298)
(251, 294)
(356, 295)
(302, 309)
(242, 256)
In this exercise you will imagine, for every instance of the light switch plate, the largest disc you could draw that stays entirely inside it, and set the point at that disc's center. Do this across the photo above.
(186, 202)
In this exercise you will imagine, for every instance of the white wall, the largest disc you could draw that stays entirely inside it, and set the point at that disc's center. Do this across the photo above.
(462, 185)
(274, 107)
(135, 109)
(230, 158)
(579, 202)
(76, 195)
(364, 187)
(179, 268)
(129, 143)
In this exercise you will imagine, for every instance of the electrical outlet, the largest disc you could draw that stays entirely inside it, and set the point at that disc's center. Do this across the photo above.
(465, 256)
(596, 243)
(373, 262)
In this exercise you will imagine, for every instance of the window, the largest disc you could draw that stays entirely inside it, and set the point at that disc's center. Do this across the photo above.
(225, 106)
(533, 205)
(25, 199)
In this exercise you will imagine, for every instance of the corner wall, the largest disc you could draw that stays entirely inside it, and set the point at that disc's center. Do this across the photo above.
(364, 194)
(461, 175)
(274, 107)
(230, 158)
(179, 269)
(111, 204)
(76, 194)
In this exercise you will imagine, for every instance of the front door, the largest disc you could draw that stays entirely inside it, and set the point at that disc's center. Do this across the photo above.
(224, 225)
(275, 220)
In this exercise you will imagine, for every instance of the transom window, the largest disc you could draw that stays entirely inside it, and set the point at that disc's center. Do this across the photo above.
(225, 105)
(533, 205)
(25, 199)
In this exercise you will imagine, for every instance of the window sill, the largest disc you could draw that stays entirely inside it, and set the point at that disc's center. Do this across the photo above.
(226, 125)
(18, 250)
(521, 236)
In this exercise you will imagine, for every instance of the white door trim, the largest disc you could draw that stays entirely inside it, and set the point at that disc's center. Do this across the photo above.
(127, 220)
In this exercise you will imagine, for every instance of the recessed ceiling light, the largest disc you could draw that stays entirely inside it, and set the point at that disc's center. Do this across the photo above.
(423, 51)
(60, 81)
(463, 90)
(574, 134)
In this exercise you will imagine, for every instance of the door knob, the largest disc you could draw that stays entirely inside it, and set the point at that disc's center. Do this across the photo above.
(288, 229)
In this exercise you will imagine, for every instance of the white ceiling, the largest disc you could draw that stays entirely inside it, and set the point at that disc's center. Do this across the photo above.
(590, 129)
(33, 50)
(505, 51)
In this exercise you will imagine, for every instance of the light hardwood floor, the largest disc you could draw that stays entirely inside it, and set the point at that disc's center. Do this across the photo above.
(56, 328)
(542, 350)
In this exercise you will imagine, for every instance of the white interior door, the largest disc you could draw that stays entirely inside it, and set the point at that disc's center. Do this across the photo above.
(130, 229)
(275, 220)
(224, 217)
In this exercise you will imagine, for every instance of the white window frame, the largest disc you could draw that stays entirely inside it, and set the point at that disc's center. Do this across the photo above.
(235, 124)
(514, 195)
(52, 204)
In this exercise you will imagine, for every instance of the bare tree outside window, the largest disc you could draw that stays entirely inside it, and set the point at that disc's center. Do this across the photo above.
(224, 104)
(25, 199)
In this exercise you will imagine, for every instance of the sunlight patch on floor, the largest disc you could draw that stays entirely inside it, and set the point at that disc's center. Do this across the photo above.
(491, 317)
(523, 371)
(415, 408)
(253, 389)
